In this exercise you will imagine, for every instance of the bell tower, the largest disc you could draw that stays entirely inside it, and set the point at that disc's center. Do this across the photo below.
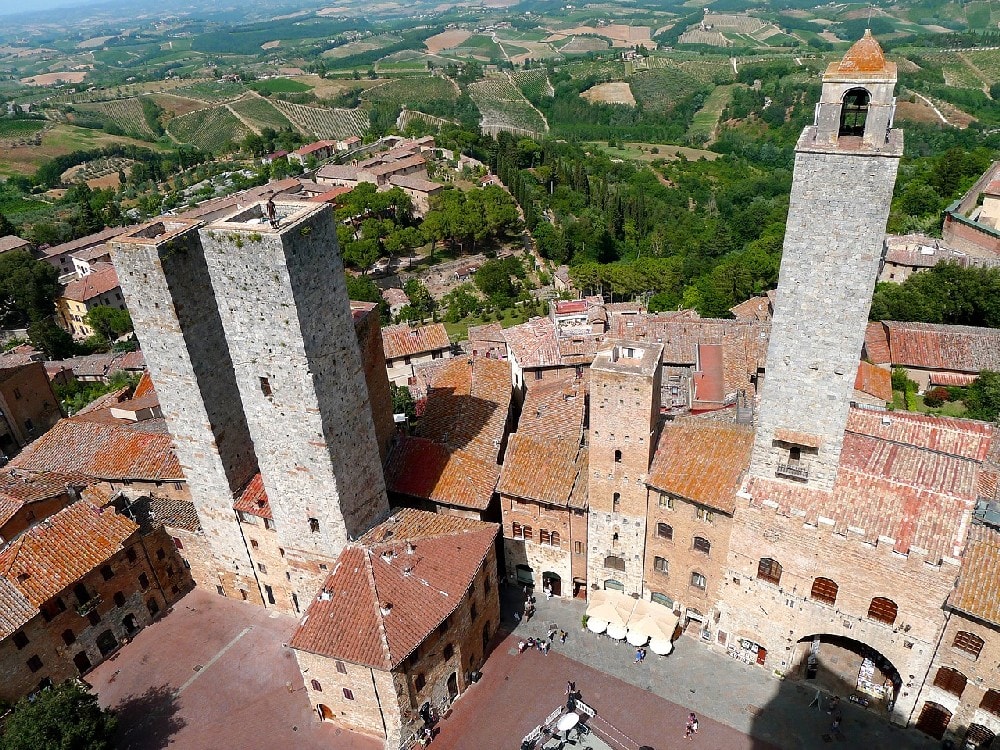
(845, 170)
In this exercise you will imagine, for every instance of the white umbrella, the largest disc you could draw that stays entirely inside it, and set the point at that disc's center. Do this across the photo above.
(636, 639)
(661, 647)
(618, 632)
(596, 626)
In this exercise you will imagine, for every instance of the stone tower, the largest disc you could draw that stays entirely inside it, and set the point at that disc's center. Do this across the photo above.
(845, 169)
(624, 414)
(163, 275)
(287, 319)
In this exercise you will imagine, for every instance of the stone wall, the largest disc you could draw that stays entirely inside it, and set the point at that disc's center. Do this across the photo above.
(778, 616)
(27, 401)
(298, 367)
(833, 243)
(369, 332)
(539, 557)
(164, 277)
(272, 569)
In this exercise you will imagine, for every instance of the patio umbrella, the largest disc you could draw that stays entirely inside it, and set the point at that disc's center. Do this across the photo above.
(612, 607)
(596, 626)
(618, 632)
(636, 638)
(661, 647)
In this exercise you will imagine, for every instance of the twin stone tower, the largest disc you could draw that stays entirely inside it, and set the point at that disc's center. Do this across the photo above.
(249, 338)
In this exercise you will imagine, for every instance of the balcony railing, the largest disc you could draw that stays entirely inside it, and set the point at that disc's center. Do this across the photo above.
(793, 470)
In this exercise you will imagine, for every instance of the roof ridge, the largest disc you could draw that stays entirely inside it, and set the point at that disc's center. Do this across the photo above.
(379, 618)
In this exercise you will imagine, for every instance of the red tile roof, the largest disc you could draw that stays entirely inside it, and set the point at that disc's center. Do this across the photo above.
(956, 437)
(84, 242)
(942, 347)
(877, 344)
(59, 551)
(405, 341)
(873, 380)
(13, 242)
(534, 344)
(102, 451)
(755, 308)
(381, 601)
(101, 280)
(977, 591)
(452, 457)
(703, 462)
(15, 609)
(18, 488)
(253, 499)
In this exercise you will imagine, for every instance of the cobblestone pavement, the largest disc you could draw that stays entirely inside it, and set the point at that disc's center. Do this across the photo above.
(758, 709)
(215, 674)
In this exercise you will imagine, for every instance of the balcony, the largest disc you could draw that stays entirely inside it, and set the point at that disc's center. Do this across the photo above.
(88, 606)
(794, 470)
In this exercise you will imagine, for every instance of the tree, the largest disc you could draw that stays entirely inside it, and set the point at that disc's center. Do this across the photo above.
(65, 717)
(421, 301)
(402, 401)
(983, 397)
(6, 228)
(51, 339)
(109, 322)
(28, 289)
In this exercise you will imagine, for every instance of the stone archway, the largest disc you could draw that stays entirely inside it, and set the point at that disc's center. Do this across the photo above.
(846, 667)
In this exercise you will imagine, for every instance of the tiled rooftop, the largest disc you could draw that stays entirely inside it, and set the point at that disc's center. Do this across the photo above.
(20, 487)
(405, 341)
(253, 500)
(382, 601)
(102, 279)
(875, 381)
(943, 347)
(977, 591)
(702, 462)
(59, 551)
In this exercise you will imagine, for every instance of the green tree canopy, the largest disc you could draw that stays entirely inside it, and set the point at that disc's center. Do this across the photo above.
(946, 293)
(983, 397)
(28, 289)
(48, 337)
(109, 322)
(65, 717)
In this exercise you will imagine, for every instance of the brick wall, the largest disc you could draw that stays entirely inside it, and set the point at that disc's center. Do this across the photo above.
(28, 403)
(970, 239)
(779, 616)
(541, 558)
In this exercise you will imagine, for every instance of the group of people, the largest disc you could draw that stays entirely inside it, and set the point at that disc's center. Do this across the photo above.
(640, 655)
(691, 728)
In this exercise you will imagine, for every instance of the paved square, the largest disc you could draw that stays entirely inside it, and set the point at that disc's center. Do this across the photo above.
(215, 673)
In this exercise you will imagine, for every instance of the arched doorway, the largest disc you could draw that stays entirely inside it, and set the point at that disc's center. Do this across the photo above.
(934, 719)
(612, 585)
(106, 642)
(553, 580)
(325, 714)
(978, 737)
(843, 666)
(854, 112)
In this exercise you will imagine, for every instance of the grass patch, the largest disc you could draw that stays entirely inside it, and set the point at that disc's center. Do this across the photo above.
(280, 86)
(460, 330)
(705, 119)
(20, 128)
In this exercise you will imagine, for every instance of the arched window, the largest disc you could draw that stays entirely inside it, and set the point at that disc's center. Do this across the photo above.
(516, 531)
(991, 702)
(970, 643)
(701, 544)
(854, 112)
(614, 563)
(618, 456)
(769, 570)
(543, 536)
(527, 533)
(611, 584)
(664, 531)
(824, 590)
(882, 610)
(316, 686)
(978, 736)
(662, 599)
(698, 580)
(950, 680)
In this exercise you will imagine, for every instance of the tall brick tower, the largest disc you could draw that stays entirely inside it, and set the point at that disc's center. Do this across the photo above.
(287, 318)
(165, 280)
(624, 413)
(845, 169)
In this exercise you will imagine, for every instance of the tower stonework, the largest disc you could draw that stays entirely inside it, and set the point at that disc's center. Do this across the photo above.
(163, 275)
(287, 318)
(845, 170)
(624, 414)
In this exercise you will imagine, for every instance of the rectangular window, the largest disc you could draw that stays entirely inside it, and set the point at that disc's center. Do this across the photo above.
(341, 668)
(698, 580)
(578, 547)
(177, 543)
(20, 639)
(348, 694)
(538, 374)
(34, 663)
(265, 388)
(660, 565)
(253, 544)
(705, 515)
(314, 525)
(262, 567)
(664, 531)
(269, 524)
(666, 501)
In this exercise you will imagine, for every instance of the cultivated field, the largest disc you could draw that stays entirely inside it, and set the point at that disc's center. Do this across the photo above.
(362, 45)
(325, 122)
(533, 83)
(579, 45)
(177, 105)
(51, 79)
(258, 113)
(706, 120)
(125, 114)
(621, 35)
(661, 90)
(16, 129)
(504, 107)
(617, 92)
(210, 129)
(446, 40)
(413, 92)
(211, 91)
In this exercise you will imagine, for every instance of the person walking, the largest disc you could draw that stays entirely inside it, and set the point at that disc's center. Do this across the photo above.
(691, 727)
(563, 635)
(272, 213)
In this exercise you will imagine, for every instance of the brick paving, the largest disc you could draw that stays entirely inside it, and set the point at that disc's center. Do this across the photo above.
(739, 705)
(215, 673)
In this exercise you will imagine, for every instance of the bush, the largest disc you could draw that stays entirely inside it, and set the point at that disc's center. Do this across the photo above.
(936, 397)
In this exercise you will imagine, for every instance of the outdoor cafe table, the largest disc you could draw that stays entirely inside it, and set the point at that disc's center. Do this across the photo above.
(568, 721)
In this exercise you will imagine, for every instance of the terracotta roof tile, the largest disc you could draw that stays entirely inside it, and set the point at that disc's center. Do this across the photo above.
(702, 462)
(864, 59)
(943, 347)
(534, 343)
(382, 601)
(876, 347)
(13, 242)
(57, 552)
(755, 308)
(253, 499)
(103, 451)
(978, 589)
(873, 380)
(102, 279)
(18, 488)
(405, 341)
(84, 242)
(955, 437)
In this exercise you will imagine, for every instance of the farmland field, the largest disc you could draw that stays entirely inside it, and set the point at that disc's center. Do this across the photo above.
(280, 85)
(20, 128)
(504, 107)
(209, 129)
(177, 105)
(661, 90)
(705, 119)
(325, 122)
(616, 92)
(260, 113)
(211, 91)
(125, 114)
(413, 92)
(362, 45)
(534, 83)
